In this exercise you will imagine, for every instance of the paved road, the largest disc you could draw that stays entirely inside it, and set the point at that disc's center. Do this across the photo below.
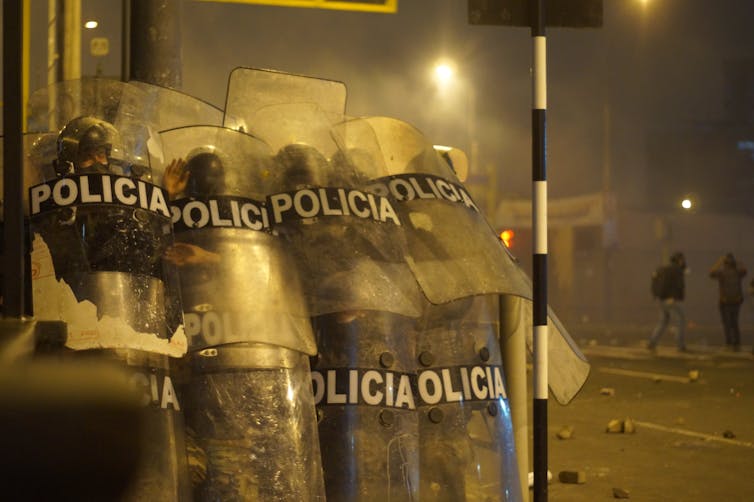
(694, 435)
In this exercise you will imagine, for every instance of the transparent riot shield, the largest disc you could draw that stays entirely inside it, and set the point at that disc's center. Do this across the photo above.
(363, 380)
(250, 411)
(349, 250)
(347, 239)
(252, 90)
(238, 281)
(100, 228)
(466, 441)
(173, 108)
(249, 405)
(452, 250)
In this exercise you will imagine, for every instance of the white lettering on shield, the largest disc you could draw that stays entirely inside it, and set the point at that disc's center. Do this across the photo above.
(97, 189)
(403, 390)
(317, 202)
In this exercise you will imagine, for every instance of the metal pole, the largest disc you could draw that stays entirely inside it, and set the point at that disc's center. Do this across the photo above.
(25, 64)
(125, 60)
(539, 224)
(153, 56)
(71, 48)
(155, 42)
(513, 344)
(14, 279)
(53, 57)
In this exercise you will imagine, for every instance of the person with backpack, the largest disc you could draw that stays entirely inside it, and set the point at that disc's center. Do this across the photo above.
(668, 287)
(729, 274)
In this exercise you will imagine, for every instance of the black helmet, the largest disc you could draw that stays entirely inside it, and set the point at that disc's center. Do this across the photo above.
(301, 165)
(81, 141)
(355, 166)
(206, 173)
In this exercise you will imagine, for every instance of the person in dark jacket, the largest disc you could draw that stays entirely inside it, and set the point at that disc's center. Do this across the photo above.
(670, 297)
(729, 274)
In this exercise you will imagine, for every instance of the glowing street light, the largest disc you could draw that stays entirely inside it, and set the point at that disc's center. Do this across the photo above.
(90, 25)
(455, 90)
(686, 204)
(444, 74)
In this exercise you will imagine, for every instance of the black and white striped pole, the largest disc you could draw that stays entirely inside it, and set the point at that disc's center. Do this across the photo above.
(539, 241)
(531, 14)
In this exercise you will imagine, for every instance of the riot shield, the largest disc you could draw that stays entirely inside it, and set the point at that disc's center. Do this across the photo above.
(249, 405)
(349, 249)
(567, 367)
(173, 108)
(237, 279)
(100, 226)
(452, 250)
(466, 440)
(251, 90)
(363, 380)
(250, 409)
(321, 199)
(319, 194)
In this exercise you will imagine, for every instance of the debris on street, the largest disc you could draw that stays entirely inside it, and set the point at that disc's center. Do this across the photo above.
(572, 477)
(620, 493)
(625, 426)
(565, 433)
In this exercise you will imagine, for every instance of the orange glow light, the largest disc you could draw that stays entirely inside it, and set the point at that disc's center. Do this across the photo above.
(507, 237)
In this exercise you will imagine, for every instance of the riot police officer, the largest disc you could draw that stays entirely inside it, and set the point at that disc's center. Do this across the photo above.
(202, 175)
(248, 402)
(100, 229)
(86, 145)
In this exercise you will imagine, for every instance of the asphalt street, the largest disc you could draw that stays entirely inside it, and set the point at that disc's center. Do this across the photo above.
(683, 427)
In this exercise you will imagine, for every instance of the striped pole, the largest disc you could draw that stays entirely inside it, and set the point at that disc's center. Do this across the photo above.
(539, 224)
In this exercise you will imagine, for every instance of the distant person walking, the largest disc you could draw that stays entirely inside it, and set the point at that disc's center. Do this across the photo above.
(668, 287)
(729, 274)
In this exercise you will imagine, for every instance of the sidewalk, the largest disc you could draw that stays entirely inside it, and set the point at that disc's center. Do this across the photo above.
(629, 341)
(639, 351)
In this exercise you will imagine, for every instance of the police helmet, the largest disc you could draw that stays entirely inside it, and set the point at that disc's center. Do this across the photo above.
(206, 172)
(83, 143)
(354, 166)
(301, 165)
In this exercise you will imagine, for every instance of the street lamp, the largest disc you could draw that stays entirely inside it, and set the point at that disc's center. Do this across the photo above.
(444, 72)
(447, 78)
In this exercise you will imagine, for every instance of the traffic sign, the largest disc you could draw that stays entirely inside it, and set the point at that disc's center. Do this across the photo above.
(381, 6)
(559, 13)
